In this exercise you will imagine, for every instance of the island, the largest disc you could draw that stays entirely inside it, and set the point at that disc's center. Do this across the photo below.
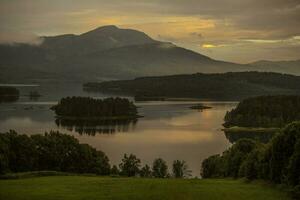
(200, 107)
(261, 118)
(87, 108)
(34, 95)
(265, 112)
(8, 94)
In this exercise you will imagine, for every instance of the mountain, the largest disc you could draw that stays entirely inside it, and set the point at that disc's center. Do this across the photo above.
(288, 67)
(227, 86)
(99, 39)
(105, 52)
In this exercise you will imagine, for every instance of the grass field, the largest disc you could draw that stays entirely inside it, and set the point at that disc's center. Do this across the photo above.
(91, 188)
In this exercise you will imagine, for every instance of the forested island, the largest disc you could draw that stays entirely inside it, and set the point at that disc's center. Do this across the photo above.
(86, 108)
(8, 94)
(227, 86)
(265, 111)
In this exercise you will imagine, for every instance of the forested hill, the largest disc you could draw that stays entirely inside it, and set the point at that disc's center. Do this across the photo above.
(265, 111)
(227, 86)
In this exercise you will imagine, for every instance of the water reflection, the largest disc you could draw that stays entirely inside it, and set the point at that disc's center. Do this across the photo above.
(92, 127)
(170, 130)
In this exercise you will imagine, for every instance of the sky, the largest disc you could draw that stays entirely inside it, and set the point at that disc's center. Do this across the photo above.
(232, 30)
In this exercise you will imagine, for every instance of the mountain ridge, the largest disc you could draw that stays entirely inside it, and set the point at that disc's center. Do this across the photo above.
(106, 51)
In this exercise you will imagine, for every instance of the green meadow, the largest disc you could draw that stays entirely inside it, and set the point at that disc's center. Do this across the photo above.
(95, 187)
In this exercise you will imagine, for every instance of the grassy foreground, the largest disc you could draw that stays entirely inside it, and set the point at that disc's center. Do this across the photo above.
(90, 188)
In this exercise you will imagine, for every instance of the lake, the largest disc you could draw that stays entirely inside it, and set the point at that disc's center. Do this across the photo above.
(169, 129)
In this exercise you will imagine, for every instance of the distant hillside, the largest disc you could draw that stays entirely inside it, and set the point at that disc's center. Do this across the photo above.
(228, 86)
(288, 67)
(106, 52)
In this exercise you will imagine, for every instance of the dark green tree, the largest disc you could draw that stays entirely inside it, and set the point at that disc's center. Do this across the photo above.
(180, 169)
(159, 168)
(212, 167)
(114, 170)
(130, 165)
(52, 151)
(146, 171)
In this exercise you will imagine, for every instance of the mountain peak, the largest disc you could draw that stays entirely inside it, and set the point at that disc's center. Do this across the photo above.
(105, 28)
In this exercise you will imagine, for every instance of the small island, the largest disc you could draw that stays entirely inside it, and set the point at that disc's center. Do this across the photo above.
(200, 107)
(8, 94)
(34, 95)
(86, 108)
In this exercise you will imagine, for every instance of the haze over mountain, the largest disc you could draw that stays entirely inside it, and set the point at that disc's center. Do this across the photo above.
(107, 52)
(288, 67)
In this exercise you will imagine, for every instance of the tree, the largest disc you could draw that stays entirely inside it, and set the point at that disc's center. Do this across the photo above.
(146, 171)
(130, 165)
(211, 167)
(180, 169)
(282, 149)
(159, 168)
(293, 174)
(236, 155)
(114, 170)
(52, 151)
(251, 166)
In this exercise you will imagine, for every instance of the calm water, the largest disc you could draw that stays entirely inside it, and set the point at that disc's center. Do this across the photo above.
(169, 130)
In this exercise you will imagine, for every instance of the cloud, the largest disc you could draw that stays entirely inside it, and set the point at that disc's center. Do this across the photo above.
(9, 37)
(238, 26)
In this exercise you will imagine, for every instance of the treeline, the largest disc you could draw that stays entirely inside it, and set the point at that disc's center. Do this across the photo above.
(131, 166)
(8, 94)
(52, 151)
(227, 86)
(86, 107)
(265, 111)
(277, 161)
